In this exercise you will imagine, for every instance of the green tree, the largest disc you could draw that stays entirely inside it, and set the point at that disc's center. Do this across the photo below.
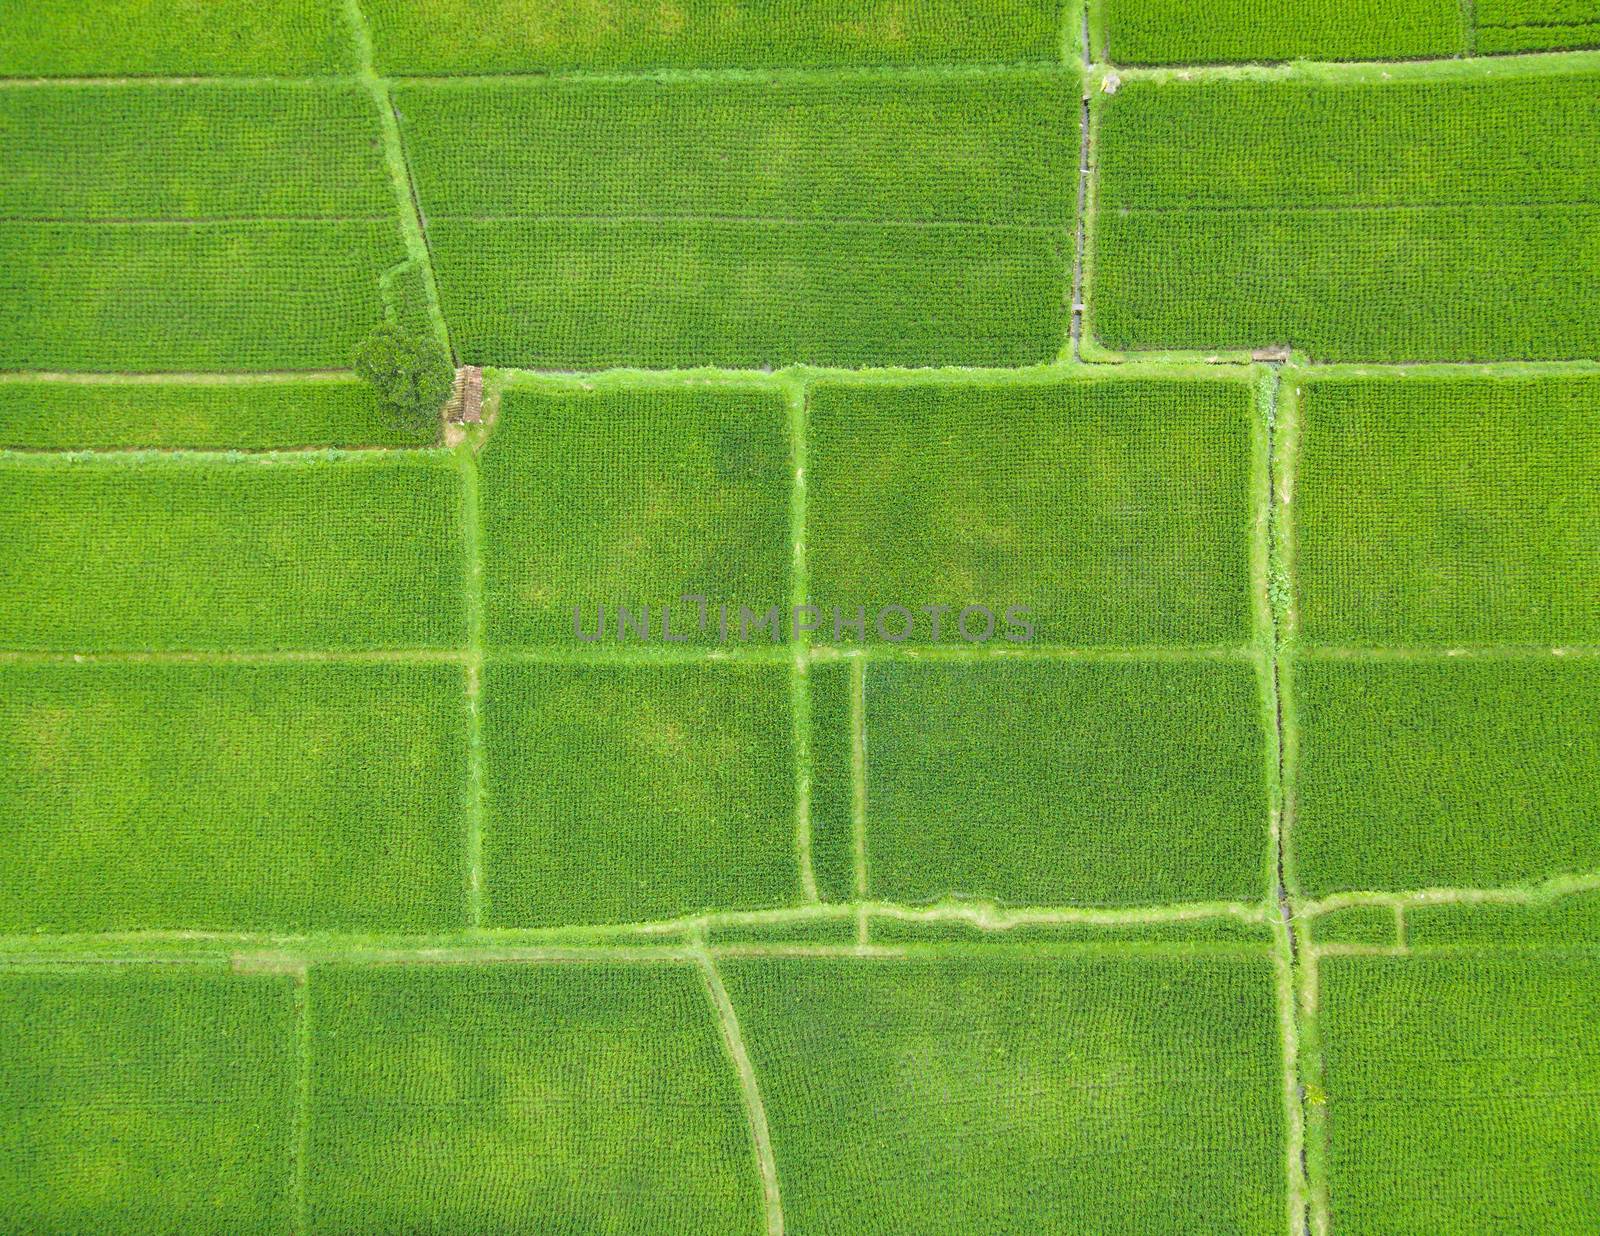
(412, 376)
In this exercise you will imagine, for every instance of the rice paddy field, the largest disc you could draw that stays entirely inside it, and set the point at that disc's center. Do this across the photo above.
(1016, 648)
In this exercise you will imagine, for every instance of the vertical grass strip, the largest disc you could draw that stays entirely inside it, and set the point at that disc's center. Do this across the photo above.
(302, 1105)
(473, 539)
(800, 687)
(858, 788)
(405, 191)
(1076, 308)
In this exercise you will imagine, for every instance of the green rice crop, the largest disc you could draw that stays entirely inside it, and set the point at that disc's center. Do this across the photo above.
(1101, 937)
(1561, 922)
(199, 552)
(1460, 1092)
(1459, 772)
(1117, 511)
(1436, 216)
(129, 38)
(1448, 509)
(579, 1097)
(1018, 1094)
(1536, 25)
(1376, 926)
(863, 218)
(1221, 31)
(1054, 783)
(146, 1099)
(831, 694)
(511, 36)
(311, 796)
(633, 498)
(253, 415)
(627, 793)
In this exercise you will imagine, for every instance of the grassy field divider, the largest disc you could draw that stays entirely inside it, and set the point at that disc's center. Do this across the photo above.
(1076, 310)
(302, 1102)
(858, 791)
(408, 209)
(799, 683)
(1536, 893)
(733, 1040)
(473, 540)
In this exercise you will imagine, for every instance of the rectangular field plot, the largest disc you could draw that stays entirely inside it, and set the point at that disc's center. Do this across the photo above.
(1450, 772)
(598, 499)
(247, 414)
(1223, 31)
(204, 553)
(1460, 1092)
(850, 220)
(628, 793)
(1448, 214)
(1002, 1093)
(139, 38)
(280, 798)
(514, 36)
(146, 1099)
(1448, 510)
(558, 1097)
(1115, 511)
(1049, 783)
(1536, 25)
(191, 226)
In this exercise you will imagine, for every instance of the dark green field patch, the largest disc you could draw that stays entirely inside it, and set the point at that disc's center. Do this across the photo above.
(1011, 1094)
(1460, 1092)
(564, 1097)
(1573, 919)
(146, 1099)
(1448, 218)
(1232, 31)
(1459, 773)
(232, 797)
(1375, 926)
(1448, 510)
(832, 698)
(109, 554)
(846, 220)
(1536, 25)
(1114, 512)
(1056, 783)
(250, 415)
(513, 36)
(129, 38)
(598, 499)
(631, 793)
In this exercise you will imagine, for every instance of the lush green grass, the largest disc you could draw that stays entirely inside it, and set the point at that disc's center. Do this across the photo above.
(636, 792)
(232, 797)
(832, 782)
(1116, 511)
(1439, 217)
(146, 1099)
(1570, 920)
(1182, 32)
(1372, 925)
(1199, 933)
(569, 1097)
(634, 497)
(1460, 1092)
(1018, 1094)
(509, 36)
(248, 414)
(1467, 773)
(197, 553)
(1448, 509)
(1051, 783)
(173, 296)
(867, 218)
(126, 38)
(200, 150)
(1531, 38)
(1536, 25)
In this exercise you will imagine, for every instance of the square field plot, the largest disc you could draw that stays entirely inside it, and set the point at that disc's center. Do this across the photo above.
(530, 1097)
(1448, 510)
(628, 793)
(1451, 214)
(637, 497)
(249, 414)
(109, 554)
(313, 796)
(1115, 511)
(1062, 783)
(1000, 1093)
(1449, 772)
(133, 38)
(512, 36)
(1234, 31)
(146, 1099)
(858, 219)
(191, 225)
(1460, 1092)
